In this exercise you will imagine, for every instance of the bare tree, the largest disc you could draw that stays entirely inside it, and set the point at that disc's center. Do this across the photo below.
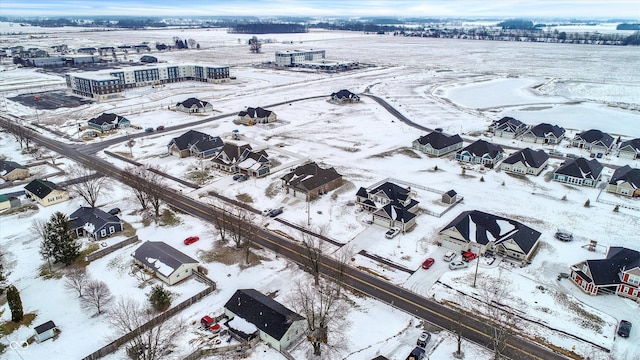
(97, 296)
(240, 226)
(148, 187)
(92, 185)
(21, 133)
(223, 220)
(77, 280)
(138, 191)
(255, 45)
(149, 342)
(314, 248)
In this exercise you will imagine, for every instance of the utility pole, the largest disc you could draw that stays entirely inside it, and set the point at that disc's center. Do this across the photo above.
(475, 276)
(308, 211)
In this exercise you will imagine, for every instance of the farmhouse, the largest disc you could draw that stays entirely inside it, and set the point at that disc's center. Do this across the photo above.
(526, 161)
(95, 223)
(344, 96)
(11, 170)
(308, 181)
(258, 115)
(164, 261)
(618, 272)
(391, 205)
(507, 127)
(625, 181)
(544, 133)
(45, 192)
(579, 171)
(481, 152)
(483, 233)
(45, 331)
(277, 325)
(630, 149)
(195, 143)
(436, 143)
(596, 141)
(106, 122)
(242, 159)
(193, 105)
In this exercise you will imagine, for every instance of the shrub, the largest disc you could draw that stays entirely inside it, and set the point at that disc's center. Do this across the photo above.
(587, 203)
(160, 298)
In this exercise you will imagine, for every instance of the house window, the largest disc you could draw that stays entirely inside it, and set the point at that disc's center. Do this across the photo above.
(585, 269)
(112, 229)
(103, 232)
(634, 280)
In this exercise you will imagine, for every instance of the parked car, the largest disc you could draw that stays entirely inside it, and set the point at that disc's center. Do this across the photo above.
(468, 256)
(160, 128)
(191, 239)
(367, 221)
(563, 275)
(114, 211)
(563, 235)
(458, 265)
(449, 256)
(624, 328)
(275, 212)
(427, 263)
(424, 338)
(149, 130)
(417, 353)
(236, 177)
(242, 178)
(391, 233)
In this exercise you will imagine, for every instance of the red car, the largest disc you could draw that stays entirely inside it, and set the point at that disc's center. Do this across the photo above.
(427, 263)
(191, 240)
(468, 256)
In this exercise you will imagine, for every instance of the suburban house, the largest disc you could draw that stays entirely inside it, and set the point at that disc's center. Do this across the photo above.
(625, 181)
(193, 105)
(45, 331)
(195, 143)
(481, 152)
(164, 261)
(436, 143)
(8, 202)
(507, 127)
(95, 223)
(45, 192)
(107, 121)
(526, 161)
(482, 233)
(618, 272)
(258, 115)
(276, 325)
(308, 181)
(596, 141)
(391, 205)
(544, 134)
(579, 171)
(242, 159)
(344, 96)
(630, 149)
(11, 170)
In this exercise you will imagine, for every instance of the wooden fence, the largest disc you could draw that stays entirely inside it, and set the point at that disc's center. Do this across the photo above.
(108, 250)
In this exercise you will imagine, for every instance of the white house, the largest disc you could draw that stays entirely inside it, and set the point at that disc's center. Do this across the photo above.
(164, 261)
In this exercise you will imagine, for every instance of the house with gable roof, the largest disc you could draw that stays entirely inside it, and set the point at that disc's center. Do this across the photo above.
(235, 159)
(526, 161)
(276, 324)
(108, 121)
(344, 96)
(579, 171)
(596, 141)
(436, 143)
(625, 181)
(630, 149)
(252, 116)
(11, 170)
(482, 232)
(391, 205)
(195, 143)
(481, 152)
(544, 133)
(508, 127)
(164, 261)
(618, 272)
(45, 192)
(95, 223)
(308, 181)
(193, 105)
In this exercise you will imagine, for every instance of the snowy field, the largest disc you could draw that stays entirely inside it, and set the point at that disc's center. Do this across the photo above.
(458, 85)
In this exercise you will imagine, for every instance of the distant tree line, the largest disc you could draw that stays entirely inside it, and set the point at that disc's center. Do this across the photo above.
(626, 26)
(518, 24)
(268, 28)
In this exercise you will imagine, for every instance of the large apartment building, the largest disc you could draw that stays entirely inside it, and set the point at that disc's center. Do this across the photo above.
(108, 84)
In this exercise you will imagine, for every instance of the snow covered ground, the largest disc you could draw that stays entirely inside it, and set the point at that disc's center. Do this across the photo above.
(458, 85)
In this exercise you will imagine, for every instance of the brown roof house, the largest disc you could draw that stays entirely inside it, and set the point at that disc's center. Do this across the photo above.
(310, 180)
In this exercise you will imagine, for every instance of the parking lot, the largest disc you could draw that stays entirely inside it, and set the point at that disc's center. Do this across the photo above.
(50, 100)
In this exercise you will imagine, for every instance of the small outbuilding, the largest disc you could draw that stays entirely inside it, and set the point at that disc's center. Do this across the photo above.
(450, 197)
(45, 331)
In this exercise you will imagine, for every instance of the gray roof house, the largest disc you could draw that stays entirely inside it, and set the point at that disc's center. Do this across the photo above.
(526, 161)
(630, 149)
(436, 143)
(481, 152)
(95, 222)
(11, 170)
(544, 133)
(391, 205)
(276, 324)
(343, 96)
(193, 105)
(482, 232)
(579, 171)
(45, 192)
(167, 263)
(595, 140)
(253, 116)
(507, 127)
(625, 181)
(108, 121)
(308, 181)
(195, 143)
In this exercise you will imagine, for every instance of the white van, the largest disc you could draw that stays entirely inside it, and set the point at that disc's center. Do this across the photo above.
(450, 255)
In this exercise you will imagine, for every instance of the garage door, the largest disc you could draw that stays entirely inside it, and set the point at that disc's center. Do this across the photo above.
(382, 221)
(451, 245)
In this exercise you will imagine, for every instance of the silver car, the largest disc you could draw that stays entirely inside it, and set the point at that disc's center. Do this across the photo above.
(458, 265)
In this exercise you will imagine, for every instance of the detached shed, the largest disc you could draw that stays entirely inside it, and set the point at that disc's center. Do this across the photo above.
(450, 197)
(45, 331)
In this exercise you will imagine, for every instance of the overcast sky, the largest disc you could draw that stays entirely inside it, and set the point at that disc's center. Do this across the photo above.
(327, 8)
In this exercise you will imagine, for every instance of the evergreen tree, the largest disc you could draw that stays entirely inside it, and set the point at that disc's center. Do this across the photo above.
(15, 304)
(160, 298)
(2, 278)
(59, 240)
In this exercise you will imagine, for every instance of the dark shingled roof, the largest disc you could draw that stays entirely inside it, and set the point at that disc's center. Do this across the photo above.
(362, 192)
(594, 135)
(626, 174)
(265, 313)
(605, 271)
(394, 192)
(529, 157)
(581, 168)
(398, 213)
(544, 129)
(451, 193)
(438, 140)
(106, 118)
(155, 254)
(633, 143)
(8, 166)
(94, 216)
(200, 141)
(45, 327)
(344, 94)
(193, 102)
(255, 112)
(482, 147)
(41, 188)
(310, 176)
